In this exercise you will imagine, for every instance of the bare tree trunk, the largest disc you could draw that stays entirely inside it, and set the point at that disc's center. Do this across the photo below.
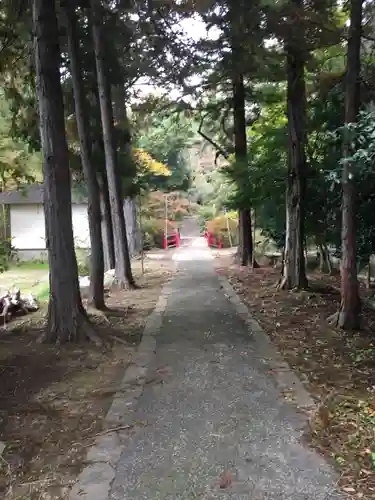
(121, 118)
(123, 272)
(67, 320)
(294, 273)
(325, 264)
(107, 219)
(348, 316)
(81, 111)
(123, 130)
(245, 248)
(245, 245)
(368, 276)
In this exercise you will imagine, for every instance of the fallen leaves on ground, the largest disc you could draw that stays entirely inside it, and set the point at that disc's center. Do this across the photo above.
(337, 367)
(53, 399)
(225, 480)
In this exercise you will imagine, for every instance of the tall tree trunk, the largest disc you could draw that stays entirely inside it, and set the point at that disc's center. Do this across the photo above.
(245, 248)
(348, 317)
(123, 272)
(368, 274)
(124, 145)
(105, 208)
(81, 111)
(67, 320)
(325, 265)
(108, 238)
(121, 118)
(294, 272)
(237, 9)
(246, 238)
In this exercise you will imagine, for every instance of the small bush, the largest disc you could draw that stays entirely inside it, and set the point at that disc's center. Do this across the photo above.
(153, 230)
(205, 214)
(7, 252)
(83, 261)
(219, 228)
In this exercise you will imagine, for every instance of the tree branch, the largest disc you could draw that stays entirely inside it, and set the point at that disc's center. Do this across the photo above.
(219, 149)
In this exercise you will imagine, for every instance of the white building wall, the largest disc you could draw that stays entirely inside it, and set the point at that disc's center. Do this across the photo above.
(81, 226)
(28, 228)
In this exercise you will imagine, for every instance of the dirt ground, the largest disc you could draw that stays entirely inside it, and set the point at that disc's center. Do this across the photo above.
(338, 368)
(53, 399)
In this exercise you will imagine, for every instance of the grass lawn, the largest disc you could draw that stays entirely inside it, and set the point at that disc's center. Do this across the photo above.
(29, 277)
(33, 277)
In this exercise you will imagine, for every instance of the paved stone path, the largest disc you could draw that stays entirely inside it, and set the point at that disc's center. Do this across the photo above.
(218, 411)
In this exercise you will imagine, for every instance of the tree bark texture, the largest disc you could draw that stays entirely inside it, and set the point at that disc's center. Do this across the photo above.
(294, 272)
(81, 111)
(107, 227)
(325, 264)
(67, 320)
(124, 138)
(350, 308)
(123, 272)
(121, 118)
(245, 248)
(241, 20)
(246, 239)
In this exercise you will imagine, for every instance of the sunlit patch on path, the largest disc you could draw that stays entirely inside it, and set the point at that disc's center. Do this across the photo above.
(196, 250)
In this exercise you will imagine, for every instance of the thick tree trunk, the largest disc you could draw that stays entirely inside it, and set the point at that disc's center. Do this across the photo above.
(245, 247)
(246, 239)
(67, 320)
(81, 110)
(123, 272)
(348, 316)
(294, 272)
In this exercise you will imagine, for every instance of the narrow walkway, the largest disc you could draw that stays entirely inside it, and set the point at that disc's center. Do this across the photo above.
(218, 410)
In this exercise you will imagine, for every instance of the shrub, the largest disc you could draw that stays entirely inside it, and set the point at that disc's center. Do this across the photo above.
(205, 214)
(7, 252)
(83, 261)
(153, 230)
(219, 228)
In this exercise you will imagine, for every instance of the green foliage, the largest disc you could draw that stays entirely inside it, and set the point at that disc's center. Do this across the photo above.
(6, 255)
(17, 164)
(83, 260)
(153, 230)
(363, 161)
(218, 226)
(165, 135)
(206, 213)
(260, 182)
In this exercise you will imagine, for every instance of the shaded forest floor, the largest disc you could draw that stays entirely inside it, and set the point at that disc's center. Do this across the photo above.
(338, 368)
(53, 399)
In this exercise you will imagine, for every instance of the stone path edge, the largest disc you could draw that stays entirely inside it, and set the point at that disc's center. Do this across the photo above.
(285, 378)
(95, 480)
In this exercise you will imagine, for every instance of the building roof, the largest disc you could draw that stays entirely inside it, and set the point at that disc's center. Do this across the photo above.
(33, 194)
